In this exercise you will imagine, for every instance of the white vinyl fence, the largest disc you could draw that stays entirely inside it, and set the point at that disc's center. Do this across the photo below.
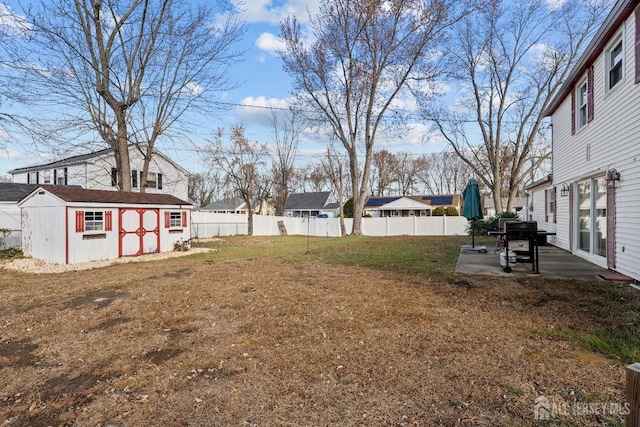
(207, 224)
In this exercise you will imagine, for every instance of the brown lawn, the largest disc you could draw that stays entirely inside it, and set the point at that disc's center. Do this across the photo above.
(263, 342)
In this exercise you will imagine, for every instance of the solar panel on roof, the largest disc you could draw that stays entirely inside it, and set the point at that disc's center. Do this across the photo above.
(379, 201)
(439, 200)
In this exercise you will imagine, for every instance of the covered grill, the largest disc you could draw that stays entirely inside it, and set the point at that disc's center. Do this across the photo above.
(522, 230)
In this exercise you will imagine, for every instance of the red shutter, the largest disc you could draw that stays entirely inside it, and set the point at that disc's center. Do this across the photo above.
(184, 218)
(611, 227)
(108, 221)
(79, 221)
(546, 205)
(167, 219)
(573, 111)
(637, 50)
(555, 205)
(590, 94)
(571, 217)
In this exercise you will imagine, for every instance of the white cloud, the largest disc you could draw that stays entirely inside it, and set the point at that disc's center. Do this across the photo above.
(273, 12)
(555, 4)
(270, 43)
(257, 110)
(191, 89)
(13, 23)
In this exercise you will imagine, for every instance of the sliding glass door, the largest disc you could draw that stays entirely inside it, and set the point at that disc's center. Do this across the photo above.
(592, 217)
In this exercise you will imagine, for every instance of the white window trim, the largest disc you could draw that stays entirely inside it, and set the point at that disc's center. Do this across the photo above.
(95, 222)
(175, 219)
(618, 39)
(583, 102)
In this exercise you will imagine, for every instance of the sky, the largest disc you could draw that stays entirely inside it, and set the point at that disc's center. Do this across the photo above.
(262, 83)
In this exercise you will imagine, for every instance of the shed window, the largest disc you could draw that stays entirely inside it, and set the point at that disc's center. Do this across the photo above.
(94, 221)
(175, 219)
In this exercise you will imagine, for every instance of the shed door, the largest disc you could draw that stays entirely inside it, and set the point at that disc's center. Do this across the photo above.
(139, 231)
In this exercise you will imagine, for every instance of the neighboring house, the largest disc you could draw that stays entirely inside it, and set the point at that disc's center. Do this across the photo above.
(311, 204)
(68, 225)
(378, 207)
(411, 205)
(595, 186)
(541, 203)
(519, 205)
(10, 195)
(96, 171)
(239, 206)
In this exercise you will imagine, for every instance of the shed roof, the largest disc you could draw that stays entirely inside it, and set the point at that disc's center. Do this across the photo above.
(310, 201)
(76, 194)
(14, 192)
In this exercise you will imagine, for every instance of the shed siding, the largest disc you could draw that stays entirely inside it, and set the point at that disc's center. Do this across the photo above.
(43, 230)
(609, 141)
(86, 245)
(56, 231)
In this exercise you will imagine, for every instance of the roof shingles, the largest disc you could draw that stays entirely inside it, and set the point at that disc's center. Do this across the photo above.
(75, 194)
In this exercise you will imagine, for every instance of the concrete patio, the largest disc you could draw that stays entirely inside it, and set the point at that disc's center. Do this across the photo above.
(553, 262)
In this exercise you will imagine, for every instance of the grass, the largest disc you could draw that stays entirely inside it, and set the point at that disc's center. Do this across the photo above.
(279, 331)
(623, 345)
(434, 256)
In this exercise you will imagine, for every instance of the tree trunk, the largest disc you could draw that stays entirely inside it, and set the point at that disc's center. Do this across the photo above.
(124, 168)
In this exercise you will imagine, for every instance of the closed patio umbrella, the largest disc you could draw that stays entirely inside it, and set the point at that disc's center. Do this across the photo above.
(472, 207)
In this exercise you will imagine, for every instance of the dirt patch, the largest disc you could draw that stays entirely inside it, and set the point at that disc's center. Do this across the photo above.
(17, 353)
(99, 299)
(160, 356)
(252, 342)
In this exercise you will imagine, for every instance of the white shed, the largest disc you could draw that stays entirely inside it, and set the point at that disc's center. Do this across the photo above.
(67, 225)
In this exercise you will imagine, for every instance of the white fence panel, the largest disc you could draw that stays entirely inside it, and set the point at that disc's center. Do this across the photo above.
(207, 224)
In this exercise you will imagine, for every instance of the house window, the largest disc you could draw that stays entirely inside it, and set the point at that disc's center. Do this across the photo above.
(33, 178)
(154, 180)
(151, 180)
(582, 104)
(614, 63)
(551, 202)
(94, 221)
(60, 176)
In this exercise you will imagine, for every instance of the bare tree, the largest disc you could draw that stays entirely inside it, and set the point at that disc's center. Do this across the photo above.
(445, 173)
(13, 29)
(510, 58)
(334, 166)
(363, 55)
(405, 172)
(203, 187)
(383, 164)
(286, 135)
(128, 71)
(243, 163)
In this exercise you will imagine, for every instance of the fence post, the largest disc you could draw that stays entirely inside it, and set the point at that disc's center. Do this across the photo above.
(633, 395)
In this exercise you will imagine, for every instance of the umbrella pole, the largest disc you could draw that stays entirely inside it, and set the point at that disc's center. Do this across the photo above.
(473, 233)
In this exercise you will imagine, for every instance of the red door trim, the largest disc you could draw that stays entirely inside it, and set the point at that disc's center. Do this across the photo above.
(140, 231)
